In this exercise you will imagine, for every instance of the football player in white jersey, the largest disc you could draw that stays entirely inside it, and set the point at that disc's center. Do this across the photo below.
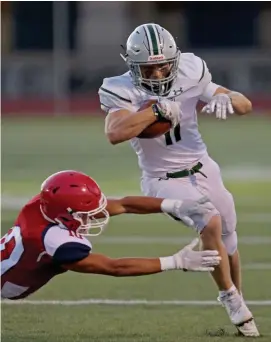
(177, 164)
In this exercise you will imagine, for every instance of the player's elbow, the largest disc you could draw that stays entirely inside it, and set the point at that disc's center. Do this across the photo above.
(245, 107)
(114, 137)
(114, 133)
(248, 107)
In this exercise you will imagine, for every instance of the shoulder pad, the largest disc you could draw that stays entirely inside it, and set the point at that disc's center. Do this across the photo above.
(115, 93)
(194, 68)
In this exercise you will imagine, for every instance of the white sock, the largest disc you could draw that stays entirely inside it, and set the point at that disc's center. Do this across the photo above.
(231, 289)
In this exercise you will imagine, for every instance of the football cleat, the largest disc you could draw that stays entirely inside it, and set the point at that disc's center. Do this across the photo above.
(239, 315)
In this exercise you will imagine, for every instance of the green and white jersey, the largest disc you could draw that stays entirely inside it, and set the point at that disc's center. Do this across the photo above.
(183, 145)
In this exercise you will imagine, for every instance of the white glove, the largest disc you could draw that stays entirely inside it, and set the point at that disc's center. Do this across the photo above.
(188, 260)
(221, 105)
(170, 110)
(183, 210)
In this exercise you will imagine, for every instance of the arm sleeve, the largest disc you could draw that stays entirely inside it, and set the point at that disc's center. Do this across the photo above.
(71, 252)
(208, 92)
(65, 246)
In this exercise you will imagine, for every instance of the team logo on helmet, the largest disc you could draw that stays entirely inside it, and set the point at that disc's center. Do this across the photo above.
(156, 58)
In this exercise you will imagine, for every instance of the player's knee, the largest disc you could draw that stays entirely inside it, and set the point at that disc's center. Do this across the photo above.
(230, 241)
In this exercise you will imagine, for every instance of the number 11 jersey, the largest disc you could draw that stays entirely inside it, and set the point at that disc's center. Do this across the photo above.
(183, 145)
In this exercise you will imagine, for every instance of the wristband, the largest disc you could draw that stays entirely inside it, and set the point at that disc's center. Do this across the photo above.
(157, 112)
(168, 263)
(168, 205)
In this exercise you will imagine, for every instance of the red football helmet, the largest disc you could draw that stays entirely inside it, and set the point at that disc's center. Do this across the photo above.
(74, 199)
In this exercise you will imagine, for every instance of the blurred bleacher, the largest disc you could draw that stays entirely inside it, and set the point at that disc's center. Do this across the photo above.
(55, 54)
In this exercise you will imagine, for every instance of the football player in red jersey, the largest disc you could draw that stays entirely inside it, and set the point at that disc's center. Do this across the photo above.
(48, 237)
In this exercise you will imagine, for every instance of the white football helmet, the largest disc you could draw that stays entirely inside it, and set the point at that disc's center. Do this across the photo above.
(151, 44)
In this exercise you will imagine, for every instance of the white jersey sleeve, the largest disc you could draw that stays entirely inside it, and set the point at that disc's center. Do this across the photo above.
(208, 92)
(115, 94)
(65, 246)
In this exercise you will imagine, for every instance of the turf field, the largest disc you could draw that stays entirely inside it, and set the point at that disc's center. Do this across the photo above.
(34, 148)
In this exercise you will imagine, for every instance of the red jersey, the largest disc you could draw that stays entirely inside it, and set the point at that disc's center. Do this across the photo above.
(33, 251)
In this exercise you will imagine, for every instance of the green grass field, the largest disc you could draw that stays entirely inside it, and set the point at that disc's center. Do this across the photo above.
(34, 148)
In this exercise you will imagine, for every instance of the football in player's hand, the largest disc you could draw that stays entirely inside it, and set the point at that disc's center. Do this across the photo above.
(157, 128)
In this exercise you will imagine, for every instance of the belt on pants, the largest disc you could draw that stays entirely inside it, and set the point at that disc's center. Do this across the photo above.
(186, 172)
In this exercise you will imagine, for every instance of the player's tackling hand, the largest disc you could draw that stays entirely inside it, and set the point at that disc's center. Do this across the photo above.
(170, 110)
(220, 105)
(184, 210)
(198, 261)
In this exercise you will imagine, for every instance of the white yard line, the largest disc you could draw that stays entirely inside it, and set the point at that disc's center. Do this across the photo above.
(132, 302)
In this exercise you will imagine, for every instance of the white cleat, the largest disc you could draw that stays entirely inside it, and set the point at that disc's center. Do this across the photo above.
(248, 329)
(240, 315)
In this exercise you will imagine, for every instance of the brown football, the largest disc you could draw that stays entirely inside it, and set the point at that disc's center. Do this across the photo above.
(157, 128)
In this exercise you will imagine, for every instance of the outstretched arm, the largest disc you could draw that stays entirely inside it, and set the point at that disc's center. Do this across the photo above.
(101, 264)
(185, 259)
(134, 205)
(182, 210)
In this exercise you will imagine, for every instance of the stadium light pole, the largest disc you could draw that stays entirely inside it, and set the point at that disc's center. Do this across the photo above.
(61, 62)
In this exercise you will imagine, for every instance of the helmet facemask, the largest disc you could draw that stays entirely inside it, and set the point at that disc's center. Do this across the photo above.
(152, 45)
(75, 202)
(154, 86)
(92, 223)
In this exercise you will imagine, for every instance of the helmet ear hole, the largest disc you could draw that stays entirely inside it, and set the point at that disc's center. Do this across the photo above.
(55, 189)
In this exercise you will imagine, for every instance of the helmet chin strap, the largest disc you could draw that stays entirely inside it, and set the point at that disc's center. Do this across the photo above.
(57, 221)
